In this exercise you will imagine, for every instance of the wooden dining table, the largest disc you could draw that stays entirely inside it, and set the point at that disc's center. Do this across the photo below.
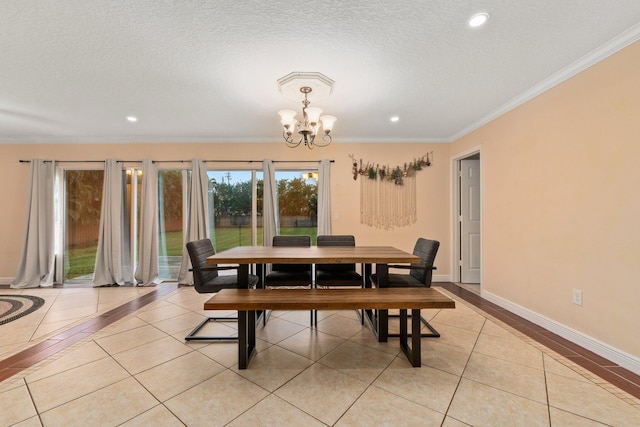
(368, 256)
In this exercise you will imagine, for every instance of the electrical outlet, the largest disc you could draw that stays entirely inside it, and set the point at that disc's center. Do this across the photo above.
(577, 297)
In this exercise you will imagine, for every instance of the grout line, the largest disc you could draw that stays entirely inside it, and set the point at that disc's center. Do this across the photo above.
(583, 358)
(581, 361)
(26, 358)
(466, 365)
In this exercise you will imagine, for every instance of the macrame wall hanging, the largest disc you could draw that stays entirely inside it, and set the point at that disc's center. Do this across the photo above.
(388, 194)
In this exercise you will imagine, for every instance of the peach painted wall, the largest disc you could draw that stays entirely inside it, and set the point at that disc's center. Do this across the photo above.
(432, 185)
(560, 202)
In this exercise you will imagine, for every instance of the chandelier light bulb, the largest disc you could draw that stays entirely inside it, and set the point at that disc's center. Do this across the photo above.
(287, 116)
(327, 123)
(313, 114)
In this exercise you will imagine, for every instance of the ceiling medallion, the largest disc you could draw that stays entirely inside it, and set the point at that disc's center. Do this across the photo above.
(310, 86)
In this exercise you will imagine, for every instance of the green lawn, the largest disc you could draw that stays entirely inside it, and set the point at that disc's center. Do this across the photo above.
(172, 245)
(226, 238)
(80, 261)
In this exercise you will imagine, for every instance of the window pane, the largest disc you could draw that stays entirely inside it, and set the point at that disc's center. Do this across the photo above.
(83, 200)
(230, 209)
(259, 209)
(170, 224)
(298, 203)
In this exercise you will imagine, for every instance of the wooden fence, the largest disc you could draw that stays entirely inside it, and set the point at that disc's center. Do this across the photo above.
(83, 234)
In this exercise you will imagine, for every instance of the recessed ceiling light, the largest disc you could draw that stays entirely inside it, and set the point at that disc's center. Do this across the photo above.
(478, 19)
(132, 119)
(394, 119)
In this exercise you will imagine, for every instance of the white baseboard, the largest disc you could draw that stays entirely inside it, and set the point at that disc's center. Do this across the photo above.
(441, 278)
(600, 348)
(436, 278)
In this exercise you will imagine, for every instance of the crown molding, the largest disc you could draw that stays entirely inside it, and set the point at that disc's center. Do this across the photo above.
(616, 44)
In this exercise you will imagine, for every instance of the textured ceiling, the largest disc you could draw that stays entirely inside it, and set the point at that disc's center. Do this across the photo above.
(72, 70)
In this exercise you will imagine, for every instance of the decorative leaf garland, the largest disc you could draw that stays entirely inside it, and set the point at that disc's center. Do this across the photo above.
(395, 174)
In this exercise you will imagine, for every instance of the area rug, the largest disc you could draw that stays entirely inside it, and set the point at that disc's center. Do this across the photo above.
(13, 307)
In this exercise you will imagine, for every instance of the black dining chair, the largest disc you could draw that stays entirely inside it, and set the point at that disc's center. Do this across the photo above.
(207, 280)
(336, 275)
(289, 275)
(420, 275)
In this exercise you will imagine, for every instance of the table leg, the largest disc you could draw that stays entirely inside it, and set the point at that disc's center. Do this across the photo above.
(415, 338)
(243, 276)
(260, 314)
(382, 271)
(378, 319)
(260, 274)
(366, 275)
(366, 283)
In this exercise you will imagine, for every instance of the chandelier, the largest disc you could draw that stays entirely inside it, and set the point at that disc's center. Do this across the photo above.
(313, 129)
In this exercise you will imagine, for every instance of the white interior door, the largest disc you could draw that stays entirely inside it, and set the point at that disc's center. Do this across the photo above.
(470, 221)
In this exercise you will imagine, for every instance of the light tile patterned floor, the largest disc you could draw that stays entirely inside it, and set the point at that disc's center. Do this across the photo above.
(139, 371)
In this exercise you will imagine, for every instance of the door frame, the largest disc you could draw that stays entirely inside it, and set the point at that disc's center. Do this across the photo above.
(455, 197)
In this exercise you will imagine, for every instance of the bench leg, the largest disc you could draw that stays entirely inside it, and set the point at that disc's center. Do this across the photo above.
(432, 334)
(413, 353)
(383, 325)
(379, 322)
(415, 338)
(246, 337)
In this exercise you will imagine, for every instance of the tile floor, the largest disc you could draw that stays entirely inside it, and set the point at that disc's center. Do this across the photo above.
(70, 363)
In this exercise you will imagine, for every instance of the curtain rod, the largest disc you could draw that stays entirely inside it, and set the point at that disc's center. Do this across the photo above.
(181, 161)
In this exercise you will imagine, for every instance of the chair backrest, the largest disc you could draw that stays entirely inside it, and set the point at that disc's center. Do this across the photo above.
(336, 240)
(291, 241)
(199, 250)
(426, 249)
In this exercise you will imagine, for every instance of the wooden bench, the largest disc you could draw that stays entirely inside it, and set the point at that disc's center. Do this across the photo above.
(248, 301)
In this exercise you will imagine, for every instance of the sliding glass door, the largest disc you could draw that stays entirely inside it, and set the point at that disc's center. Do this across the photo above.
(172, 198)
(233, 217)
(82, 203)
(298, 203)
(235, 214)
(235, 206)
